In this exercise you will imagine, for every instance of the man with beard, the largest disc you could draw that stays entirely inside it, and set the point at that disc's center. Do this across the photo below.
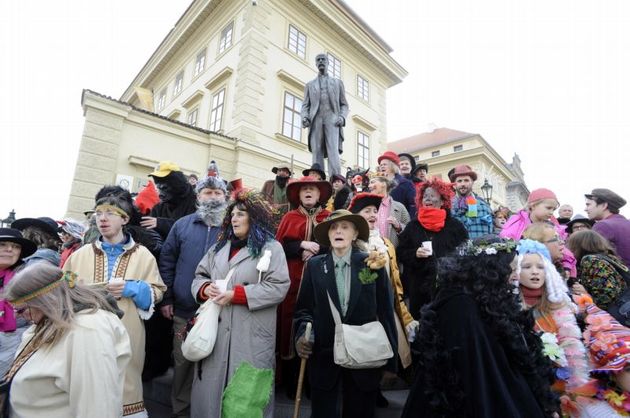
(186, 244)
(295, 233)
(177, 198)
(468, 207)
(275, 191)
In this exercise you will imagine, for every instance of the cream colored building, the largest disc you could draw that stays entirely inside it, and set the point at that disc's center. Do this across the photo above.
(226, 84)
(443, 148)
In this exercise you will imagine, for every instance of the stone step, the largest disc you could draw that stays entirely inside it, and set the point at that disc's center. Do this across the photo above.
(157, 395)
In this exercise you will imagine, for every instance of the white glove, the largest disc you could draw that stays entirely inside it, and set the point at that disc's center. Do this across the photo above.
(412, 329)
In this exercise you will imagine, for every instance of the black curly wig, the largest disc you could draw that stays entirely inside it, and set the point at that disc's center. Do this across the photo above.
(486, 279)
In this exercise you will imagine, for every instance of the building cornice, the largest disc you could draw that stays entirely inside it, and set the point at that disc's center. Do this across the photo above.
(336, 13)
(184, 28)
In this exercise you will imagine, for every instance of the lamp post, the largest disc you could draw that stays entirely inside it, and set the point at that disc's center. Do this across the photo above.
(486, 189)
(6, 223)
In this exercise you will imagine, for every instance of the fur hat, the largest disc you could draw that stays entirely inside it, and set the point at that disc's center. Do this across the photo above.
(321, 230)
(212, 180)
(462, 170)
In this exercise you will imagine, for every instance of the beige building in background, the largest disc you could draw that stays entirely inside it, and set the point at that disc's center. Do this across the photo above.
(227, 84)
(443, 148)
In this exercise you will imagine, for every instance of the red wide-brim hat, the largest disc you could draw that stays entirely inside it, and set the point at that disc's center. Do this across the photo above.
(293, 189)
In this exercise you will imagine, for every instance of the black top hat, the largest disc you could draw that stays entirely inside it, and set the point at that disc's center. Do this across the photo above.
(317, 168)
(14, 235)
(44, 223)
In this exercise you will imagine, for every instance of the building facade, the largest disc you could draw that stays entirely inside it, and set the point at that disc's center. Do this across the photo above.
(232, 75)
(443, 148)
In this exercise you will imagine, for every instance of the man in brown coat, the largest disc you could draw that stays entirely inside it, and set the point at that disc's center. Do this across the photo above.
(275, 191)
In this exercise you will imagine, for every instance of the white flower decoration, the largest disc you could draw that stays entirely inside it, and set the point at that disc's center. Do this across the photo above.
(491, 251)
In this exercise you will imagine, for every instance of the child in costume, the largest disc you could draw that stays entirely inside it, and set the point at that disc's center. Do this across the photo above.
(543, 290)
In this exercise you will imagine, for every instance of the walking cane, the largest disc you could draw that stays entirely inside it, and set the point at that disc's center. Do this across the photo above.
(298, 393)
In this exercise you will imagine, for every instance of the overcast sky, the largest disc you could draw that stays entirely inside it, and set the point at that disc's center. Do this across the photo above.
(546, 80)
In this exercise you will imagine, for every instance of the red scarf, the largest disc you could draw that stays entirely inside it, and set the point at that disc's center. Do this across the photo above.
(432, 219)
(531, 296)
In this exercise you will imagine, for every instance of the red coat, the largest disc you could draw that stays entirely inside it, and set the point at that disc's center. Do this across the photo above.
(291, 232)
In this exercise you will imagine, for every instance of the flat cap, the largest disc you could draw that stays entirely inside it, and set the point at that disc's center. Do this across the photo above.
(608, 196)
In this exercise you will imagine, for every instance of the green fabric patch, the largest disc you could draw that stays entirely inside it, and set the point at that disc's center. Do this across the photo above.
(248, 393)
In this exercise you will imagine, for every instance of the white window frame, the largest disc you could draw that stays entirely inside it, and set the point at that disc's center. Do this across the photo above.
(293, 128)
(435, 154)
(334, 66)
(216, 114)
(200, 62)
(363, 150)
(363, 88)
(227, 34)
(192, 118)
(178, 86)
(294, 44)
(161, 101)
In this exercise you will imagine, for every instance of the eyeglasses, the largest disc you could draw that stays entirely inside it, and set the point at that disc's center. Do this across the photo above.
(10, 246)
(556, 239)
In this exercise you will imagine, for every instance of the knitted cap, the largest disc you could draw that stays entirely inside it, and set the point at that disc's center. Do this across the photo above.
(212, 180)
(542, 194)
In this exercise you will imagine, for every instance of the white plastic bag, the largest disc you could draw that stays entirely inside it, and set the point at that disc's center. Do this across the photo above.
(200, 340)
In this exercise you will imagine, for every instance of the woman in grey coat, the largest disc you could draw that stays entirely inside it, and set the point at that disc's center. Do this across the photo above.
(247, 323)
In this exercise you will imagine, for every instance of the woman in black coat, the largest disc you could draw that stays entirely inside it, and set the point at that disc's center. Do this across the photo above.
(432, 235)
(478, 354)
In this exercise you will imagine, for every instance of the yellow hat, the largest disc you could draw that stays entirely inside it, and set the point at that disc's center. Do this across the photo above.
(164, 169)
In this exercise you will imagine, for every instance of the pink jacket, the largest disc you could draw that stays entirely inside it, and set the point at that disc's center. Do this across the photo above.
(7, 315)
(516, 225)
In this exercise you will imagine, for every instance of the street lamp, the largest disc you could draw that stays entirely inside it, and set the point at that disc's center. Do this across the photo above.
(486, 189)
(9, 220)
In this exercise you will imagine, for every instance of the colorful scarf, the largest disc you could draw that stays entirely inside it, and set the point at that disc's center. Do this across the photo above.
(311, 220)
(467, 204)
(432, 219)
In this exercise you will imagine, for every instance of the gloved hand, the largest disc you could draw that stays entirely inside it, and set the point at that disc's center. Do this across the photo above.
(412, 330)
(303, 347)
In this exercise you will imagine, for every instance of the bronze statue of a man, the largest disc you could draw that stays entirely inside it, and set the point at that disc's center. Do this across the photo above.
(324, 110)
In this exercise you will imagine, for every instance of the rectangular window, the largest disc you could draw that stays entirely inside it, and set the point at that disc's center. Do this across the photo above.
(192, 117)
(297, 42)
(363, 150)
(179, 83)
(200, 63)
(363, 88)
(292, 120)
(216, 115)
(161, 103)
(334, 66)
(435, 154)
(226, 37)
(458, 148)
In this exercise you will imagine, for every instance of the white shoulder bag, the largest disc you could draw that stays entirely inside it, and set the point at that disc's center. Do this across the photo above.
(359, 346)
(200, 340)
